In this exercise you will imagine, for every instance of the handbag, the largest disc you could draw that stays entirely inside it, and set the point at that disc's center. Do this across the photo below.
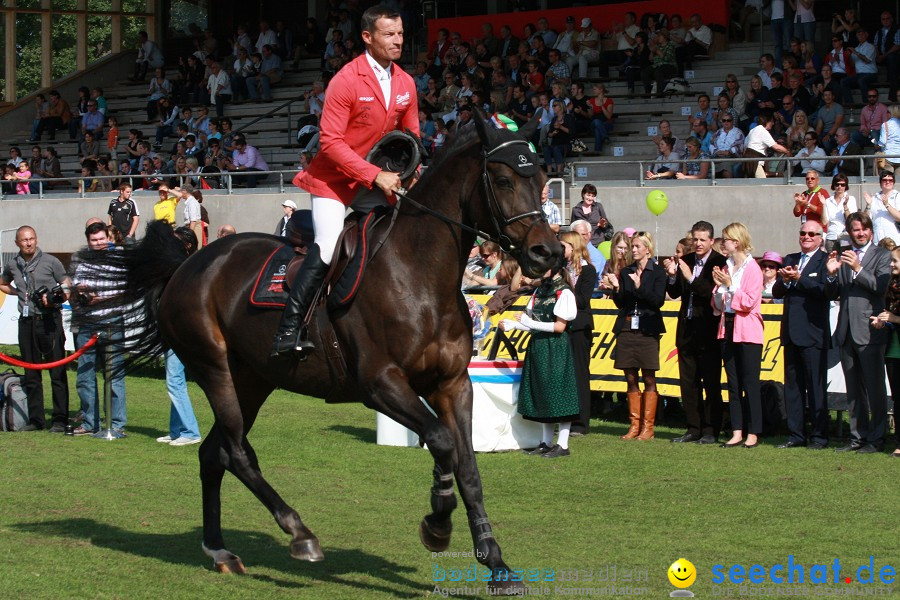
(578, 146)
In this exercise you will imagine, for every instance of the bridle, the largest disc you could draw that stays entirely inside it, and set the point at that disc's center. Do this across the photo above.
(498, 219)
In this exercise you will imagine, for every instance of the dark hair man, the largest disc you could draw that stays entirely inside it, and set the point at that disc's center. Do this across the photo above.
(92, 287)
(699, 354)
(373, 94)
(859, 277)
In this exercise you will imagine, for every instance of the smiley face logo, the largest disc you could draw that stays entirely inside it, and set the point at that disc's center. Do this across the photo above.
(682, 573)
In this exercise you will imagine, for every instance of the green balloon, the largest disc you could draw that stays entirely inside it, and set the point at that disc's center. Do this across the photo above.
(605, 248)
(657, 202)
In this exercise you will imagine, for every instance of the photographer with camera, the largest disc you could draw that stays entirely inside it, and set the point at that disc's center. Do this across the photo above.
(42, 287)
(92, 286)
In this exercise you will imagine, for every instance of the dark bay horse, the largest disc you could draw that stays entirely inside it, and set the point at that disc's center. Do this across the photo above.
(407, 334)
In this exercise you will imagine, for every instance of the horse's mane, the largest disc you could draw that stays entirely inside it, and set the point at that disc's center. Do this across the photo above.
(459, 142)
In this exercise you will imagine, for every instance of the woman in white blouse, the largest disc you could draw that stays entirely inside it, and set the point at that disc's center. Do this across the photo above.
(837, 208)
(811, 150)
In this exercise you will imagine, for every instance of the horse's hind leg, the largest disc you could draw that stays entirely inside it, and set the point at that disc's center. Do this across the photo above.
(236, 402)
(212, 468)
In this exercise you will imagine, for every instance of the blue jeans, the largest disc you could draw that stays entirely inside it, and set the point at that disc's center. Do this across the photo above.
(779, 28)
(601, 132)
(265, 85)
(805, 32)
(182, 422)
(162, 132)
(86, 380)
(239, 87)
(554, 155)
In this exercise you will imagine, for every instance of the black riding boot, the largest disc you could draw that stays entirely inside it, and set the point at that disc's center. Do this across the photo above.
(291, 334)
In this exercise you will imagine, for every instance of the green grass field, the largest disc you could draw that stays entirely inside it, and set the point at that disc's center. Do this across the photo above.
(88, 518)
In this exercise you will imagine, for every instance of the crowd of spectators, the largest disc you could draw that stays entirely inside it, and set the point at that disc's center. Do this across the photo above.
(844, 256)
(802, 89)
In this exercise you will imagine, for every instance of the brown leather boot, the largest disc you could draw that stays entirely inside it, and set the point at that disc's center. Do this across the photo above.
(634, 413)
(650, 399)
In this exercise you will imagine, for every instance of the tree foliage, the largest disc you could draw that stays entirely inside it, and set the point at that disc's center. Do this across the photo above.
(64, 35)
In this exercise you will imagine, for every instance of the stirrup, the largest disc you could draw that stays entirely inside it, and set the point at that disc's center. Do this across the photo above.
(293, 340)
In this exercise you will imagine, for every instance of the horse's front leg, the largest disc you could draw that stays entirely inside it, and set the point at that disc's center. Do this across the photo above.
(453, 403)
(390, 394)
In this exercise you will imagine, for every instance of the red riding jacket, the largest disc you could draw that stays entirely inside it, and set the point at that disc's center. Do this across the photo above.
(353, 119)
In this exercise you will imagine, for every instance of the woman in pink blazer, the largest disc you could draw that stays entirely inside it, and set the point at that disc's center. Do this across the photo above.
(737, 297)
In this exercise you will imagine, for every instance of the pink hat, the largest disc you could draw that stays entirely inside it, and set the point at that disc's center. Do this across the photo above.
(772, 257)
(629, 231)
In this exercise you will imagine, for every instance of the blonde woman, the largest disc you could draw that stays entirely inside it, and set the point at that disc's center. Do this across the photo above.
(796, 132)
(737, 298)
(736, 96)
(639, 293)
(583, 277)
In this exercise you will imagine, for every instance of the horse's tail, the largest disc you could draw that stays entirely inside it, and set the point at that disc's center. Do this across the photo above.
(128, 282)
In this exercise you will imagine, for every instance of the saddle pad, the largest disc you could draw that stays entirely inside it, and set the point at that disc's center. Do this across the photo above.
(269, 289)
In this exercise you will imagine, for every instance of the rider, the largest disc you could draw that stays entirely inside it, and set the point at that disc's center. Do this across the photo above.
(369, 97)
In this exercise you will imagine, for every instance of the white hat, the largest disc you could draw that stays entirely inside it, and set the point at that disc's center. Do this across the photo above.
(290, 204)
(586, 22)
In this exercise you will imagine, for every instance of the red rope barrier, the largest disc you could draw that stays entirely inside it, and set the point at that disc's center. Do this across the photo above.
(52, 365)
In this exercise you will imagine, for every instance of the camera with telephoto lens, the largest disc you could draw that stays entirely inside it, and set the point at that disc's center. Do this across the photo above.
(56, 296)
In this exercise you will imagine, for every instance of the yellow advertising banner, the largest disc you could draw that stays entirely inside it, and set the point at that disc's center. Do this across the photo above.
(605, 377)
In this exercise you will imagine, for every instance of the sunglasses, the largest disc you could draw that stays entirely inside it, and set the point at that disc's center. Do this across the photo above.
(727, 120)
(809, 233)
(486, 255)
(840, 184)
(872, 96)
(888, 179)
(769, 266)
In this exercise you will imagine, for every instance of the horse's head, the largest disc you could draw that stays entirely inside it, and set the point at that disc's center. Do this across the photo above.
(511, 184)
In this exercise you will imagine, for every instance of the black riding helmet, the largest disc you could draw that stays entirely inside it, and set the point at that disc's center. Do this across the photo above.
(398, 152)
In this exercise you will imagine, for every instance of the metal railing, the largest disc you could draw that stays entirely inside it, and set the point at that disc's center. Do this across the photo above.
(712, 179)
(228, 178)
(290, 129)
(135, 179)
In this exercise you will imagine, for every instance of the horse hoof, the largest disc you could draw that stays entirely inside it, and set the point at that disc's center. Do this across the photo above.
(224, 561)
(307, 549)
(506, 588)
(432, 540)
(233, 565)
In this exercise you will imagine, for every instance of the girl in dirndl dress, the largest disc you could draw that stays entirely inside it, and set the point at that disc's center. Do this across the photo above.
(548, 393)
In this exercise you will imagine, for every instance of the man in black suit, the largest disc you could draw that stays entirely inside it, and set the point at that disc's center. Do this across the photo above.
(509, 44)
(805, 337)
(849, 167)
(860, 276)
(699, 354)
